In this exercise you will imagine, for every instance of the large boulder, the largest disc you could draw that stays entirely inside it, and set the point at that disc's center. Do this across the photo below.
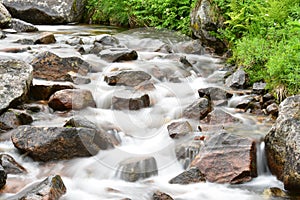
(55, 143)
(46, 12)
(227, 158)
(283, 144)
(5, 17)
(206, 18)
(51, 188)
(16, 77)
(52, 67)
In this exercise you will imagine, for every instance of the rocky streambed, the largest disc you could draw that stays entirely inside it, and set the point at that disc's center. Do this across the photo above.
(93, 112)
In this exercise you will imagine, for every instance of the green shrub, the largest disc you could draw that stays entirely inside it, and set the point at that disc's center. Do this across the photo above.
(265, 38)
(170, 14)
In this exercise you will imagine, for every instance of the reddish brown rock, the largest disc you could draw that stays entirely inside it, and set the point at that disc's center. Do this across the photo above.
(179, 129)
(52, 188)
(45, 38)
(52, 67)
(198, 110)
(55, 143)
(192, 175)
(161, 196)
(227, 158)
(120, 103)
(75, 99)
(220, 117)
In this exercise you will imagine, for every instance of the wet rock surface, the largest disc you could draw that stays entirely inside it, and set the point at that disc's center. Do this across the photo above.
(127, 78)
(161, 196)
(16, 77)
(21, 26)
(55, 143)
(118, 55)
(3, 177)
(133, 169)
(227, 158)
(282, 144)
(49, 66)
(192, 175)
(45, 38)
(68, 99)
(5, 16)
(198, 110)
(48, 12)
(138, 103)
(14, 118)
(51, 188)
(10, 165)
(179, 129)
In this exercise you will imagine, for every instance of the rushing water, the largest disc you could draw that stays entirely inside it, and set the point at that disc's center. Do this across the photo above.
(143, 132)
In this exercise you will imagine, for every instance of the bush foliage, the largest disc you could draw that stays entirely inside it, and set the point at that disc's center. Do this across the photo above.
(265, 38)
(170, 14)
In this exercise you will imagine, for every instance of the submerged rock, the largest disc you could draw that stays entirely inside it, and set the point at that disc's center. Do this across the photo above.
(133, 169)
(161, 196)
(55, 143)
(120, 103)
(227, 158)
(10, 165)
(283, 144)
(198, 110)
(51, 188)
(46, 12)
(16, 77)
(5, 16)
(21, 26)
(127, 78)
(192, 175)
(52, 67)
(68, 99)
(118, 55)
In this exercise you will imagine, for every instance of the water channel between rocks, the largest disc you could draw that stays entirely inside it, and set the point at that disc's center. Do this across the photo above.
(142, 132)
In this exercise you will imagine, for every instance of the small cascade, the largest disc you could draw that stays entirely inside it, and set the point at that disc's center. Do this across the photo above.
(262, 165)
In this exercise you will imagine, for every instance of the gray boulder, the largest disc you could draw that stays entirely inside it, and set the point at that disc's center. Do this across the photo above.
(127, 78)
(283, 144)
(16, 77)
(237, 80)
(21, 26)
(206, 18)
(198, 109)
(46, 12)
(5, 17)
(192, 175)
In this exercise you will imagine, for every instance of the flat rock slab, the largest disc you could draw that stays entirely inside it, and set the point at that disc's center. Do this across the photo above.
(46, 12)
(227, 158)
(127, 78)
(49, 66)
(16, 77)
